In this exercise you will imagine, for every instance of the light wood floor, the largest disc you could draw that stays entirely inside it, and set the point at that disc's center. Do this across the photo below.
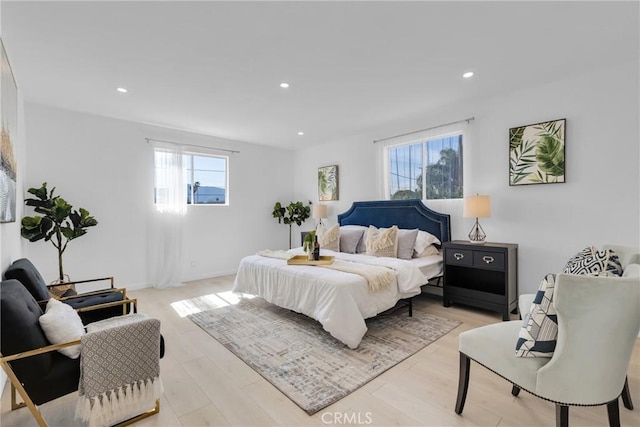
(206, 385)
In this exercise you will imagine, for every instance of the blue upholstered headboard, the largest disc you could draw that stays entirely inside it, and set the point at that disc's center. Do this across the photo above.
(407, 214)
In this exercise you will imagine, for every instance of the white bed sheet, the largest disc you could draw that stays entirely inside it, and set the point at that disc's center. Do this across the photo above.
(430, 266)
(339, 301)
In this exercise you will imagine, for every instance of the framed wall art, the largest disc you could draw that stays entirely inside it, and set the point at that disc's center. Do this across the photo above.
(328, 183)
(537, 153)
(8, 132)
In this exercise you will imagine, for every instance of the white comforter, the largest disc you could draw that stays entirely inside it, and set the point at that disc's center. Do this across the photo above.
(339, 301)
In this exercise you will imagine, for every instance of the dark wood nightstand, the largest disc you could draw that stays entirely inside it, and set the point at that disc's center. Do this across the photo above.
(484, 276)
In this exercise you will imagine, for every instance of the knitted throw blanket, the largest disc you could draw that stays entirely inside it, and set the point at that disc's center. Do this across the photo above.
(379, 278)
(119, 369)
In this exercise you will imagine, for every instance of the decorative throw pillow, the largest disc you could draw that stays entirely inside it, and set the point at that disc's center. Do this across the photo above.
(349, 239)
(430, 250)
(423, 241)
(362, 244)
(329, 238)
(594, 262)
(60, 324)
(406, 242)
(382, 242)
(537, 337)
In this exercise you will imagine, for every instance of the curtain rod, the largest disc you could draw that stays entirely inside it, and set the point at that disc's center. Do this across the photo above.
(468, 120)
(192, 145)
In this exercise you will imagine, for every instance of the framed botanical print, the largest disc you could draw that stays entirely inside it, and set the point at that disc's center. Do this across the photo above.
(328, 183)
(537, 153)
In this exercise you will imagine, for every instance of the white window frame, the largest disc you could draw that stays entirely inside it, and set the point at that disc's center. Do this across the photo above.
(190, 179)
(422, 137)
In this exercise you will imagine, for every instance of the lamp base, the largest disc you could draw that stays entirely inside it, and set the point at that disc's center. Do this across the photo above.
(477, 235)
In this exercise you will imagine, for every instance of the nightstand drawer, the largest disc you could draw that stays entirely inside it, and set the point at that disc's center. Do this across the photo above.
(486, 259)
(459, 257)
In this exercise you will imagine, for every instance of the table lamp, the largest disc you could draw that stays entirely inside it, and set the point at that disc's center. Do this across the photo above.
(477, 207)
(319, 212)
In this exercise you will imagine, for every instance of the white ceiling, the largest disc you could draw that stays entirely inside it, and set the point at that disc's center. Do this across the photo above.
(215, 67)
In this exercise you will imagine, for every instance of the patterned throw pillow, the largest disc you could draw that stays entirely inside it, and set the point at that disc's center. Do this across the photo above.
(539, 331)
(594, 262)
(329, 238)
(382, 242)
(537, 337)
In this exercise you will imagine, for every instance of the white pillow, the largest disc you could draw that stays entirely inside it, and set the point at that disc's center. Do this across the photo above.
(430, 250)
(329, 238)
(424, 240)
(382, 242)
(61, 324)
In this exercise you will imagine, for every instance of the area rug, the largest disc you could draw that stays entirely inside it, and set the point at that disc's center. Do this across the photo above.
(302, 360)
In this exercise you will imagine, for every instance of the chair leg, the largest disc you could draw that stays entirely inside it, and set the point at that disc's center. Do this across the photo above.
(515, 390)
(613, 411)
(463, 382)
(626, 395)
(15, 382)
(562, 415)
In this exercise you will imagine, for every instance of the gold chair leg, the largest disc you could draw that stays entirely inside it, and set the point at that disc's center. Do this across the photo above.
(14, 403)
(23, 394)
(144, 415)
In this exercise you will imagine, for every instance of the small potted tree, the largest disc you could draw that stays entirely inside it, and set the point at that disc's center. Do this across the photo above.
(58, 223)
(293, 213)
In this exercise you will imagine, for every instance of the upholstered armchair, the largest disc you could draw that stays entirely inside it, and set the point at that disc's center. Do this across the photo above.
(91, 306)
(35, 367)
(598, 323)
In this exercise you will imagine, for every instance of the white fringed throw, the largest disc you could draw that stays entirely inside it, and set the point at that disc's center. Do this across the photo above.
(119, 369)
(379, 278)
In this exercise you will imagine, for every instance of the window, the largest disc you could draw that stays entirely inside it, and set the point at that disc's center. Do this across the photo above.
(204, 178)
(429, 169)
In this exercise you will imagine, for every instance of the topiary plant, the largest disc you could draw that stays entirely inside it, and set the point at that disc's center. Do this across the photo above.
(58, 223)
(294, 213)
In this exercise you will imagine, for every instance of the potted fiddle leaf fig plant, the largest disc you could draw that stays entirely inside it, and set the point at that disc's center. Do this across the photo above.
(57, 223)
(293, 213)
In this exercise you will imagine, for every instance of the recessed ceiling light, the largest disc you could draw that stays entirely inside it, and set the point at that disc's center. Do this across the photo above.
(468, 74)
(300, 133)
(284, 85)
(122, 90)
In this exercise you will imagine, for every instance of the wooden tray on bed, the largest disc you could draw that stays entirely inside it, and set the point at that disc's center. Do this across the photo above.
(304, 260)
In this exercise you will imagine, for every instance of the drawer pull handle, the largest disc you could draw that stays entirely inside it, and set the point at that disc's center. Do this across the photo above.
(488, 259)
(458, 256)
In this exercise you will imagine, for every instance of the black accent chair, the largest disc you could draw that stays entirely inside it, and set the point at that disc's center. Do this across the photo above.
(35, 368)
(91, 306)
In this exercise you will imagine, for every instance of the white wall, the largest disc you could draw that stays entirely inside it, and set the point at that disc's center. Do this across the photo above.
(600, 202)
(105, 166)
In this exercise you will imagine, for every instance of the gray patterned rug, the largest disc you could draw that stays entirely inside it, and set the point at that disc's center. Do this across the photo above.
(302, 360)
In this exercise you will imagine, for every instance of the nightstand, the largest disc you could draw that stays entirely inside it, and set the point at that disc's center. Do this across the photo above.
(484, 276)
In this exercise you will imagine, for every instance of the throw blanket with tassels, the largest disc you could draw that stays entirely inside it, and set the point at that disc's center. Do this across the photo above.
(379, 278)
(119, 369)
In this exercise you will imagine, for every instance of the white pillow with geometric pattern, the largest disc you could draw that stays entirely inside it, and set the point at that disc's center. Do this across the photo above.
(539, 332)
(593, 262)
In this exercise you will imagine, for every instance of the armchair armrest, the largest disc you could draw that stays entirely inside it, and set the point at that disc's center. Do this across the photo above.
(37, 351)
(75, 282)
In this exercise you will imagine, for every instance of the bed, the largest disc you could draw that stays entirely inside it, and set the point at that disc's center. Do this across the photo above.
(342, 301)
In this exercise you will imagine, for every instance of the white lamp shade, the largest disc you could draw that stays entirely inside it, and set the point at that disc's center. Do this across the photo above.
(477, 207)
(319, 211)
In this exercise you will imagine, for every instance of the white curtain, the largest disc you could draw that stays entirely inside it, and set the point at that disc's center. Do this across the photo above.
(169, 215)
